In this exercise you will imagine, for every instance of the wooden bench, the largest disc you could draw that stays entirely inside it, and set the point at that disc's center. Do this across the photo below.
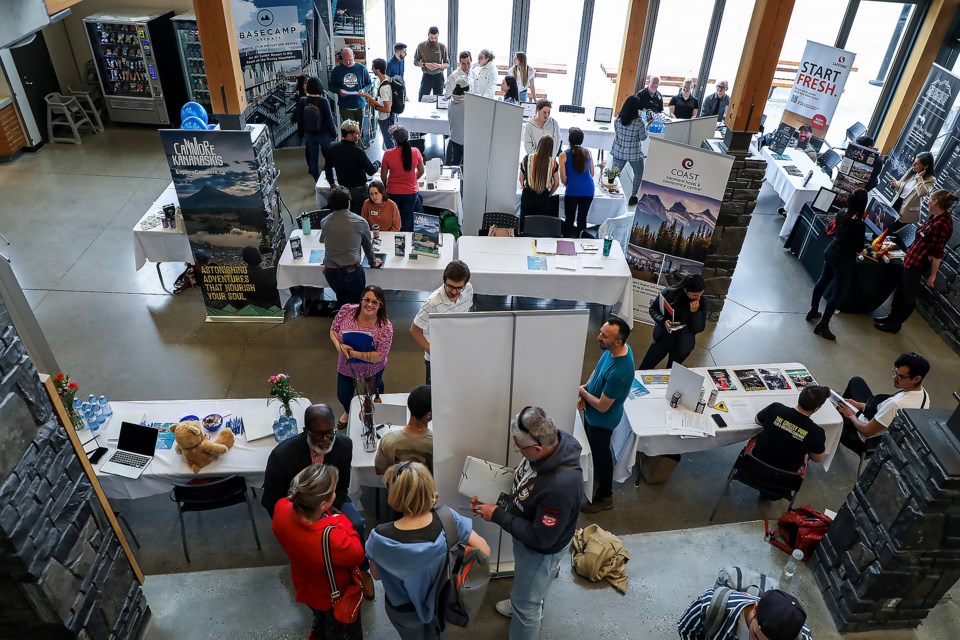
(543, 70)
(666, 80)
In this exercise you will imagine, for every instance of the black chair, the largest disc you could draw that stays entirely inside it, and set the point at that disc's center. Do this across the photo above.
(221, 493)
(829, 160)
(501, 221)
(571, 108)
(856, 130)
(866, 451)
(542, 227)
(316, 217)
(771, 482)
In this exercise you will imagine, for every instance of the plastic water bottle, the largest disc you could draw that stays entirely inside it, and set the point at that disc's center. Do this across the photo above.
(788, 582)
(92, 399)
(77, 403)
(105, 405)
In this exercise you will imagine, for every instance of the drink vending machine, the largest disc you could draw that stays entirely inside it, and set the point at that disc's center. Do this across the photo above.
(191, 58)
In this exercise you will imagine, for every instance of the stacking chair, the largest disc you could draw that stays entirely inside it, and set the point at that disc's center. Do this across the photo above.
(829, 160)
(617, 228)
(501, 221)
(856, 130)
(542, 227)
(88, 102)
(869, 448)
(772, 482)
(133, 536)
(572, 108)
(65, 111)
(316, 217)
(221, 493)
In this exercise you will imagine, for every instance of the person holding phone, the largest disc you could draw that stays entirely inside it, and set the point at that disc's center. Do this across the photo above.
(679, 313)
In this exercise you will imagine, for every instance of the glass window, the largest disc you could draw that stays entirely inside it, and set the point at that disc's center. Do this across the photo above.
(952, 118)
(376, 30)
(729, 47)
(552, 44)
(678, 42)
(486, 25)
(606, 44)
(413, 19)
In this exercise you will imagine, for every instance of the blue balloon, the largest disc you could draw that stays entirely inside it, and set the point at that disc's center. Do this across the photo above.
(195, 110)
(193, 122)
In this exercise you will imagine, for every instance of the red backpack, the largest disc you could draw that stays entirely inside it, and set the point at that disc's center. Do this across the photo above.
(801, 528)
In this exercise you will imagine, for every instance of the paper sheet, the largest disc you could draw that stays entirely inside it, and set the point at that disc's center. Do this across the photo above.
(486, 480)
(688, 424)
(567, 263)
(740, 411)
(591, 262)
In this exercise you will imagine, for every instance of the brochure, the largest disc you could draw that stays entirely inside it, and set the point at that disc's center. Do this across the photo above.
(721, 380)
(165, 437)
(656, 378)
(486, 480)
(316, 256)
(774, 379)
(426, 235)
(749, 379)
(801, 378)
(637, 390)
(536, 263)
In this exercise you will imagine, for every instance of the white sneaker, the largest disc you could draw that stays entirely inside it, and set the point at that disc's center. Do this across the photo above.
(504, 608)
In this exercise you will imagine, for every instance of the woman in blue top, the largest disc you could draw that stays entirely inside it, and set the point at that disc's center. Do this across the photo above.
(408, 555)
(576, 174)
(630, 132)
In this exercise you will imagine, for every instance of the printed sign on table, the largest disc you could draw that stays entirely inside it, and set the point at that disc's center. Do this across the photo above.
(818, 86)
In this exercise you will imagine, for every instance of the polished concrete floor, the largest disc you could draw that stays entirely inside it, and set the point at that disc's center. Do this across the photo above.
(68, 212)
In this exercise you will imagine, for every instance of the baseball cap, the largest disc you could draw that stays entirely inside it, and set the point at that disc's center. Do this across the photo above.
(806, 127)
(780, 615)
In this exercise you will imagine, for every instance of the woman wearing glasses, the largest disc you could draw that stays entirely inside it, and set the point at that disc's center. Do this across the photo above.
(362, 334)
(408, 555)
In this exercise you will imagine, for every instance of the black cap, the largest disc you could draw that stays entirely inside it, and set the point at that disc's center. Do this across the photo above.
(806, 127)
(780, 615)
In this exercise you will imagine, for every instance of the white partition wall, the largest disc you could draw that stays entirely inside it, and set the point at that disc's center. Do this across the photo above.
(485, 368)
(490, 164)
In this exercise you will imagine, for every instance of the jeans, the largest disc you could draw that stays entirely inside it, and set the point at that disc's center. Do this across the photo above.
(575, 213)
(431, 83)
(326, 626)
(454, 153)
(857, 389)
(599, 439)
(347, 285)
(667, 346)
(347, 385)
(313, 146)
(905, 297)
(637, 166)
(385, 124)
(523, 96)
(349, 510)
(532, 575)
(408, 203)
(836, 269)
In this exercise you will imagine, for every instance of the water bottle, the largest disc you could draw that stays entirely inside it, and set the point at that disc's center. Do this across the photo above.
(77, 403)
(305, 226)
(788, 582)
(105, 405)
(92, 399)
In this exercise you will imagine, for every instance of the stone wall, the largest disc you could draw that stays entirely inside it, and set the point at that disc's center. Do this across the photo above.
(62, 571)
(739, 200)
(940, 306)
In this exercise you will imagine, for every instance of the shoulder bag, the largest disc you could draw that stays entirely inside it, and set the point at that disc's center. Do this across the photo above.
(346, 603)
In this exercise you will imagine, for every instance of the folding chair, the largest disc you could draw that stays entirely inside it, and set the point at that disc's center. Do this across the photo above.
(207, 497)
(770, 481)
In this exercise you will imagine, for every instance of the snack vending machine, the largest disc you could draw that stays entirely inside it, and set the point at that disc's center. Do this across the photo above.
(191, 58)
(135, 55)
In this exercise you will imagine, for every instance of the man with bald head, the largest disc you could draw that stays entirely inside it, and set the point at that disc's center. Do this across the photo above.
(650, 97)
(349, 79)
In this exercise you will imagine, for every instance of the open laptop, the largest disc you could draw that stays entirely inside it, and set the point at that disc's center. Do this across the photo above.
(134, 451)
(529, 109)
(824, 200)
(603, 114)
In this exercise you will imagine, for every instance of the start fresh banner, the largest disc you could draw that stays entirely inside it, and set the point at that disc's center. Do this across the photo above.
(822, 73)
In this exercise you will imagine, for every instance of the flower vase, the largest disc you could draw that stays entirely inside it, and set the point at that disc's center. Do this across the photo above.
(369, 434)
(285, 426)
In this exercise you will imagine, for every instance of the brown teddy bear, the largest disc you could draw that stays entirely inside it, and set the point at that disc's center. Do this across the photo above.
(196, 450)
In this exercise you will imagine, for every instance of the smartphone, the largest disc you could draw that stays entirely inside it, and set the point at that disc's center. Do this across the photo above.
(720, 421)
(96, 455)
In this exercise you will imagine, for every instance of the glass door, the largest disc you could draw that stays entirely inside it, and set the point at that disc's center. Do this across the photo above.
(191, 57)
(119, 58)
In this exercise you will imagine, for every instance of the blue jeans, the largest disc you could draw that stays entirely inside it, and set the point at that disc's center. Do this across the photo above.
(359, 526)
(347, 285)
(347, 385)
(385, 125)
(408, 203)
(637, 166)
(523, 96)
(532, 575)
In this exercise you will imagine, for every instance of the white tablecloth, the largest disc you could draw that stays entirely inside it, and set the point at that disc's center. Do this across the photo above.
(424, 117)
(642, 429)
(248, 459)
(790, 188)
(605, 204)
(498, 266)
(445, 196)
(159, 244)
(397, 274)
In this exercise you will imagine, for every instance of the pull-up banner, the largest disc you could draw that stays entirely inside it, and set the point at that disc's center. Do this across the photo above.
(818, 86)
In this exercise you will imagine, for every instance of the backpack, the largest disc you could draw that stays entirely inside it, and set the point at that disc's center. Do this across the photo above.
(716, 611)
(399, 94)
(801, 528)
(450, 224)
(748, 581)
(463, 579)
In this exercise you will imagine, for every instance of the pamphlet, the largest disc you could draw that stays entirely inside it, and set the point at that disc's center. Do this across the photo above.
(316, 256)
(749, 379)
(721, 380)
(383, 260)
(637, 390)
(656, 378)
(486, 480)
(536, 263)
(590, 261)
(426, 235)
(781, 156)
(165, 437)
(545, 246)
(838, 400)
(774, 379)
(567, 263)
(566, 248)
(801, 378)
(296, 248)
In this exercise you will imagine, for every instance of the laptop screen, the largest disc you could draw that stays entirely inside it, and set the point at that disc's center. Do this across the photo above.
(603, 114)
(529, 109)
(136, 438)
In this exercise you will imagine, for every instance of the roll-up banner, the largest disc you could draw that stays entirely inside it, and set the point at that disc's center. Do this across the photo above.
(818, 86)
(680, 197)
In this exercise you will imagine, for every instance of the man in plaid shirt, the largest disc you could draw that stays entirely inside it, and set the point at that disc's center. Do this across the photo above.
(922, 261)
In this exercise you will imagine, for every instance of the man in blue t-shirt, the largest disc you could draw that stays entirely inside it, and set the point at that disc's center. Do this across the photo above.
(601, 401)
(349, 79)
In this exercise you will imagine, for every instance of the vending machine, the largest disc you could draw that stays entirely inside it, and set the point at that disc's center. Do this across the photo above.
(136, 59)
(191, 58)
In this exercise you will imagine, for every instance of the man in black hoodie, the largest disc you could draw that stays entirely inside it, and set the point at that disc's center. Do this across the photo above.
(541, 514)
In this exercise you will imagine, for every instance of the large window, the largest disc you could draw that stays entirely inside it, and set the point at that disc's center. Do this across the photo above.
(413, 19)
(678, 43)
(606, 43)
(729, 47)
(552, 43)
(376, 30)
(485, 25)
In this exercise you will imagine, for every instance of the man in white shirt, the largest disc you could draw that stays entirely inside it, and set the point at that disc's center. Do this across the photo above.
(455, 295)
(464, 70)
(875, 412)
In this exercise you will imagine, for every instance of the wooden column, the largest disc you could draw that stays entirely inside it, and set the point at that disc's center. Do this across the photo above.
(630, 51)
(218, 38)
(933, 32)
(758, 63)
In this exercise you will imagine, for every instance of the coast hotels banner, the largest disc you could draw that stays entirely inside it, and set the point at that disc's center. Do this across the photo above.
(680, 197)
(818, 86)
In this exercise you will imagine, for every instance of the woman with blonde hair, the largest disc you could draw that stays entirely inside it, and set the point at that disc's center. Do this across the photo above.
(409, 554)
(299, 521)
(540, 179)
(485, 75)
(524, 74)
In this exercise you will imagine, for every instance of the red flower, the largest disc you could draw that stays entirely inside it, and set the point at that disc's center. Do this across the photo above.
(72, 386)
(59, 377)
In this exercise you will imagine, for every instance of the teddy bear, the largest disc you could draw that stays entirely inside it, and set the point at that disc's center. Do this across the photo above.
(197, 450)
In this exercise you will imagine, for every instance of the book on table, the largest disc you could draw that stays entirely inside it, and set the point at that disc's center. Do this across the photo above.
(426, 235)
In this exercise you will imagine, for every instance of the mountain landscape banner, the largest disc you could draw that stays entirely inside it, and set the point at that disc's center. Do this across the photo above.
(680, 197)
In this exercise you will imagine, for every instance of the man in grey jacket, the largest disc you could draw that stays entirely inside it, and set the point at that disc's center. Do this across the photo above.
(716, 104)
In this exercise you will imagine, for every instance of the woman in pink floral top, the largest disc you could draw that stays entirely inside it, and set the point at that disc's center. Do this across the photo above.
(370, 317)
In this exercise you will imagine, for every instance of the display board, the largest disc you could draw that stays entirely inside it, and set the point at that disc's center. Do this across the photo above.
(854, 172)
(781, 138)
(692, 131)
(679, 201)
(817, 88)
(492, 365)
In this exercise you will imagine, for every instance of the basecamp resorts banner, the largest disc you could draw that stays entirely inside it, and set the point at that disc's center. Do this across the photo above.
(818, 86)
(921, 128)
(215, 176)
(679, 201)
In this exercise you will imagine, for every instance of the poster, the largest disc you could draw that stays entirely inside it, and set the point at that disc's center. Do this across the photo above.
(223, 202)
(921, 128)
(679, 200)
(818, 86)
(853, 172)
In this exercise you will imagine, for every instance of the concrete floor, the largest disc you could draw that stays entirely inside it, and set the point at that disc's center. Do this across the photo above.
(68, 212)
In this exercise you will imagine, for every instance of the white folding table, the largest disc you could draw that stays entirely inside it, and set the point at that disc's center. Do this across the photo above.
(605, 203)
(445, 196)
(153, 242)
(791, 188)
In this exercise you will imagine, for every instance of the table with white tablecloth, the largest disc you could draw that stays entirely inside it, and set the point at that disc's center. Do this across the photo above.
(791, 188)
(397, 273)
(606, 204)
(247, 459)
(153, 242)
(499, 266)
(643, 426)
(446, 195)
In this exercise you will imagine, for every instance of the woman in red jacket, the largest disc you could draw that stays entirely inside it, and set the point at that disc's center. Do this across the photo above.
(298, 522)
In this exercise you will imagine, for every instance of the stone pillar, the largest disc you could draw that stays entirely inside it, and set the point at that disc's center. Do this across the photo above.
(893, 550)
(62, 571)
(940, 306)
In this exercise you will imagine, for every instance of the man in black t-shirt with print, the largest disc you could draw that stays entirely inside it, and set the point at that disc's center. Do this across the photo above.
(789, 436)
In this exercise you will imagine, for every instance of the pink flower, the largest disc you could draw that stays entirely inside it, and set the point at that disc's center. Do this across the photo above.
(282, 376)
(272, 379)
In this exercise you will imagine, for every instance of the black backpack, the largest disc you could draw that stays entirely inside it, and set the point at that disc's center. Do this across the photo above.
(399, 94)
(463, 578)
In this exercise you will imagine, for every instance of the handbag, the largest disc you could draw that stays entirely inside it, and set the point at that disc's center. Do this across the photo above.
(801, 528)
(346, 603)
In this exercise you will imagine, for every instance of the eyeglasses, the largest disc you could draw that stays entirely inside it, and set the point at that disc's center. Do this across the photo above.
(317, 436)
(899, 376)
(372, 303)
(453, 289)
(524, 428)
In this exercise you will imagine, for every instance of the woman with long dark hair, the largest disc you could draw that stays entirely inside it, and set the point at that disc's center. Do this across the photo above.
(629, 132)
(839, 262)
(317, 125)
(402, 167)
(366, 363)
(677, 306)
(576, 173)
(540, 180)
(915, 184)
(511, 93)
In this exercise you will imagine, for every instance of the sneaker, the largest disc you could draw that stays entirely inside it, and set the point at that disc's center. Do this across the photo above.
(600, 504)
(632, 201)
(504, 608)
(366, 583)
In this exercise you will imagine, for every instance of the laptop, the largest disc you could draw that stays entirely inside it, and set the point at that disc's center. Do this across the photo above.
(529, 109)
(824, 200)
(134, 451)
(603, 114)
